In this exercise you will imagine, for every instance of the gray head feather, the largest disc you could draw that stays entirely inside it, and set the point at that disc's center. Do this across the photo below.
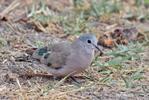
(89, 41)
(90, 37)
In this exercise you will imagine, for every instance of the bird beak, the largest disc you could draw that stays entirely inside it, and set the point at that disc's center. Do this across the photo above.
(98, 48)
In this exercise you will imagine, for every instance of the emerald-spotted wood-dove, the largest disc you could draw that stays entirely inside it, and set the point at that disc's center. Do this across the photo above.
(66, 58)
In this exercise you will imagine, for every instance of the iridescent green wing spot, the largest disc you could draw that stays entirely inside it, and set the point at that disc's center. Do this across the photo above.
(46, 56)
(42, 51)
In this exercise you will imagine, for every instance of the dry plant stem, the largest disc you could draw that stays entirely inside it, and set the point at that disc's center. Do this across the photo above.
(12, 6)
(46, 75)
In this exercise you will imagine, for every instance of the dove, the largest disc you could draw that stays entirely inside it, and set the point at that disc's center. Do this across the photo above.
(64, 58)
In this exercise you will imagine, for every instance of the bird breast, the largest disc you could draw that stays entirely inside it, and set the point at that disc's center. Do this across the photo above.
(87, 57)
(80, 60)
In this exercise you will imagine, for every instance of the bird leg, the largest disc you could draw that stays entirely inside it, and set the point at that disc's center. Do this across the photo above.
(74, 79)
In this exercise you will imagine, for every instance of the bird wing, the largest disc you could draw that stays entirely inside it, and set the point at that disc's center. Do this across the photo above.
(38, 53)
(54, 56)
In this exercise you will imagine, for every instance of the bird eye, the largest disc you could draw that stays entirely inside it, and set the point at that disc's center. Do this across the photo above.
(88, 41)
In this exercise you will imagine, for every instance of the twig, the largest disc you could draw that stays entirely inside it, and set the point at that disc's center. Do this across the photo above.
(35, 75)
(12, 6)
(46, 75)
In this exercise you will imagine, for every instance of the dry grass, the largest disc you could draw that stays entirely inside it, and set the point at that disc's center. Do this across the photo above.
(122, 73)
